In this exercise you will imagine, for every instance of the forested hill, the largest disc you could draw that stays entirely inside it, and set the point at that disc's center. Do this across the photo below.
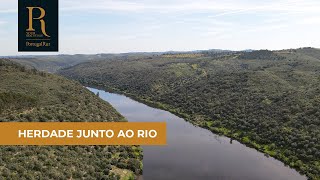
(28, 96)
(53, 63)
(269, 100)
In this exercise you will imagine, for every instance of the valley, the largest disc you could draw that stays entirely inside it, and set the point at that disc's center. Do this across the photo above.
(268, 100)
(196, 153)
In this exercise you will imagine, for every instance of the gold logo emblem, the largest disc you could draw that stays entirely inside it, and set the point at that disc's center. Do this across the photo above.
(40, 18)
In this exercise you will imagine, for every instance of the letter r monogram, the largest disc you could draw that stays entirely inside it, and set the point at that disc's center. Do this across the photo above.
(31, 18)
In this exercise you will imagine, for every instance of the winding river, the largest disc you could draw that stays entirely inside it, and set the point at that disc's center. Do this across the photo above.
(194, 153)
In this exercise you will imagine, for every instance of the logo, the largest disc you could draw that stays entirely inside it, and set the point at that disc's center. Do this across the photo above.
(38, 25)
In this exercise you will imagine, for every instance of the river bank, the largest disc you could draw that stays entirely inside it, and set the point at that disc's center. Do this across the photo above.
(161, 106)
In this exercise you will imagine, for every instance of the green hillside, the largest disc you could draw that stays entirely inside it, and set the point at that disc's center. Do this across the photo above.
(29, 95)
(54, 63)
(269, 100)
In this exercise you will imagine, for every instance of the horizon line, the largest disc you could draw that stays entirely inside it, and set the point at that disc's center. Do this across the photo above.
(137, 52)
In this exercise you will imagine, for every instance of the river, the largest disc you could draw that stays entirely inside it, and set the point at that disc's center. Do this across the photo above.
(194, 153)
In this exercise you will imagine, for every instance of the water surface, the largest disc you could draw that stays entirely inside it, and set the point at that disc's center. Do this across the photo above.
(194, 153)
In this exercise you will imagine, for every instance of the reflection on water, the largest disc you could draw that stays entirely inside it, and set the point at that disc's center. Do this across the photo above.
(194, 153)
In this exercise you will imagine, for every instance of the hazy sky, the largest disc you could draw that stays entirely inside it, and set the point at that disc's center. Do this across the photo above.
(104, 26)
